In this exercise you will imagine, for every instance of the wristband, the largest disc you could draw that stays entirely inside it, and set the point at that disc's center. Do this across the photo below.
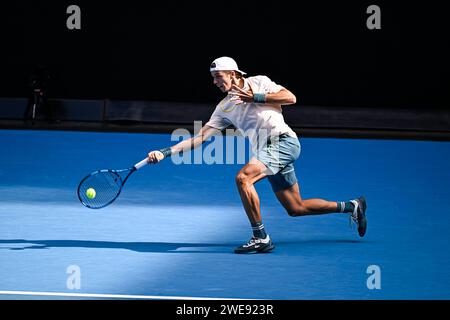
(167, 152)
(259, 97)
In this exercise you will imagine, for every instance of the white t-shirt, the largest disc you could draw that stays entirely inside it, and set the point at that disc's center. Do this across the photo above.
(252, 119)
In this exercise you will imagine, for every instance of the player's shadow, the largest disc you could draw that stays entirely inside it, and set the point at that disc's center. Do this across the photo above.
(168, 247)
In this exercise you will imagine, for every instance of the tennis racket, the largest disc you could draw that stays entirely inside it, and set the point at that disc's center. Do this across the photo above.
(107, 185)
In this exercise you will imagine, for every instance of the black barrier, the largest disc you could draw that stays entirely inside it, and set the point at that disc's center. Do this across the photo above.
(56, 109)
(153, 116)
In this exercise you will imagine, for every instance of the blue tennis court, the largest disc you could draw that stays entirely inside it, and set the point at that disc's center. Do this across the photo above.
(172, 231)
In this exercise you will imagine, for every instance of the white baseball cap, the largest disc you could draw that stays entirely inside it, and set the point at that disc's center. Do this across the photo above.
(225, 64)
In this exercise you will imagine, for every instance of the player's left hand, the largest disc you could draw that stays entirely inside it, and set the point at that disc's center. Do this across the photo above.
(241, 94)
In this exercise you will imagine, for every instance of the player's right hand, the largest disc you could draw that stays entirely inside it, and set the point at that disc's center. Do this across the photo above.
(155, 156)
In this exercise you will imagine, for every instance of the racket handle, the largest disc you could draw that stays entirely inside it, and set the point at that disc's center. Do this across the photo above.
(141, 164)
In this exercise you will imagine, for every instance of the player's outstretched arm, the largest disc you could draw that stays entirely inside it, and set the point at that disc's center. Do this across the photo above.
(204, 134)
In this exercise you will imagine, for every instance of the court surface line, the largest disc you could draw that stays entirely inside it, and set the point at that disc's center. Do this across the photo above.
(111, 296)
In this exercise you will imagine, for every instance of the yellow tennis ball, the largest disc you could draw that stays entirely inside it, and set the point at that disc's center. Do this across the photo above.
(90, 193)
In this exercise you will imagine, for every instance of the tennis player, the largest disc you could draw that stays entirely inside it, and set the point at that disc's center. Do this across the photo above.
(253, 106)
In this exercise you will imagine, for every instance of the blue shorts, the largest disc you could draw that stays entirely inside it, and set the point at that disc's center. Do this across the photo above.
(279, 155)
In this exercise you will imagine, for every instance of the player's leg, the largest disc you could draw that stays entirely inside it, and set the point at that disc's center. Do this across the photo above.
(291, 200)
(251, 173)
(271, 156)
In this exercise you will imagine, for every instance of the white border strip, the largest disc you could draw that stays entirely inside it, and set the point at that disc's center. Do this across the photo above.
(109, 296)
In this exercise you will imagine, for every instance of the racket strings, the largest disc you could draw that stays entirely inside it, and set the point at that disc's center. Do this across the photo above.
(107, 187)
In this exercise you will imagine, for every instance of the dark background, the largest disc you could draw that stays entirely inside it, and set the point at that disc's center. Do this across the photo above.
(161, 51)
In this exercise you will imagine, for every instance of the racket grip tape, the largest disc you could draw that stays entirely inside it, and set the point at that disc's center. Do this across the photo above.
(141, 164)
